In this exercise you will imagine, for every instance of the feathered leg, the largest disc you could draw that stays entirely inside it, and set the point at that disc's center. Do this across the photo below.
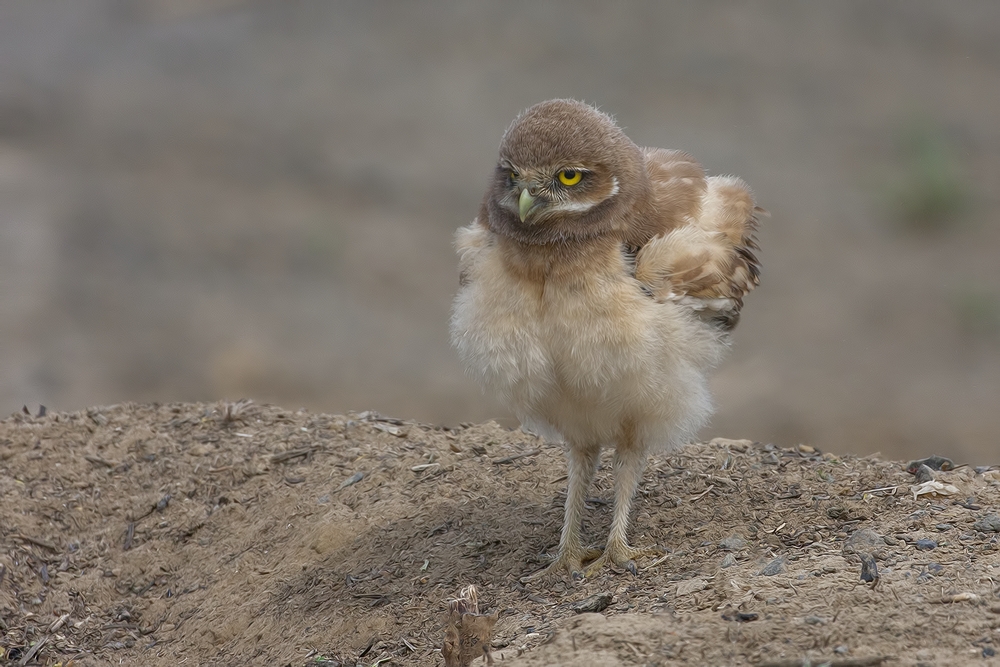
(572, 554)
(629, 462)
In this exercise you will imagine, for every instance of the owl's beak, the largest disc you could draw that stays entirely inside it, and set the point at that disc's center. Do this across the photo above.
(525, 204)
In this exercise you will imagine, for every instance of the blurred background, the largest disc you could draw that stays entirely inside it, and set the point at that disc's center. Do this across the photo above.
(209, 199)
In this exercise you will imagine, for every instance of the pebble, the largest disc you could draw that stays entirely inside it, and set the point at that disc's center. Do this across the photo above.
(869, 568)
(595, 603)
(925, 545)
(353, 479)
(733, 543)
(691, 586)
(923, 474)
(776, 566)
(943, 527)
(988, 524)
(862, 541)
(932, 462)
(729, 560)
(741, 616)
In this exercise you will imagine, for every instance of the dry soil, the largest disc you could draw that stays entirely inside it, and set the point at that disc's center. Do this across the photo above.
(222, 534)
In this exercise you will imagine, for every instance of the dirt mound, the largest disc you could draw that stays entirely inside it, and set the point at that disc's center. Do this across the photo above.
(245, 534)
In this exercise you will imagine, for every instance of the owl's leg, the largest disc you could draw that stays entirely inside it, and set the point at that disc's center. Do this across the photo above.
(572, 554)
(629, 462)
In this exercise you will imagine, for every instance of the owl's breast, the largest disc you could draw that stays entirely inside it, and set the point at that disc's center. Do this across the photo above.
(582, 333)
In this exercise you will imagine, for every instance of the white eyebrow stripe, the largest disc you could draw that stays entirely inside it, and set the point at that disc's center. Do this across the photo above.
(573, 206)
(614, 187)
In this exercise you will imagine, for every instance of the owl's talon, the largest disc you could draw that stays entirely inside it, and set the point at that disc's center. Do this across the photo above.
(565, 564)
(621, 555)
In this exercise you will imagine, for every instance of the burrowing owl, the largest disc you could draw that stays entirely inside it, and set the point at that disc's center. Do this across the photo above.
(599, 284)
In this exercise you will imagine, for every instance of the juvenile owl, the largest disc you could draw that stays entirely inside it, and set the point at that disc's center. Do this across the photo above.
(598, 286)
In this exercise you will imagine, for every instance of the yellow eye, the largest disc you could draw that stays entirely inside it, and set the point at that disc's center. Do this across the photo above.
(513, 175)
(570, 176)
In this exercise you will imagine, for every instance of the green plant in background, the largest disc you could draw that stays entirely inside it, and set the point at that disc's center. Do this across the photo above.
(978, 311)
(929, 192)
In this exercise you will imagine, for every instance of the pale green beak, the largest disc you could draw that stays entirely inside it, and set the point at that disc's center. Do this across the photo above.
(525, 204)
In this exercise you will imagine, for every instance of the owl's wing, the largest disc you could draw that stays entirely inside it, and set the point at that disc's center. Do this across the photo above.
(706, 260)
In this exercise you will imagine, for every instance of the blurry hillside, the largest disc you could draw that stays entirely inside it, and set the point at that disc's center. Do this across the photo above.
(217, 199)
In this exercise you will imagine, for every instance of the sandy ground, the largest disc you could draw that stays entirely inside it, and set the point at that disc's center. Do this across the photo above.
(222, 534)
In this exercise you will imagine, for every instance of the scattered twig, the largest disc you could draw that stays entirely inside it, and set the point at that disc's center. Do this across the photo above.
(957, 597)
(129, 534)
(58, 623)
(290, 454)
(371, 642)
(390, 429)
(37, 542)
(515, 457)
(30, 654)
(702, 494)
(882, 489)
(98, 461)
(846, 662)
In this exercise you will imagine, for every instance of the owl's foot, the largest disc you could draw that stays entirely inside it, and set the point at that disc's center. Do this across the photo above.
(570, 563)
(622, 555)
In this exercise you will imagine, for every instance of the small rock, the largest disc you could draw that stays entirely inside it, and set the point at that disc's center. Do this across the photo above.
(862, 541)
(988, 524)
(942, 527)
(733, 543)
(925, 544)
(735, 445)
(729, 560)
(923, 474)
(869, 569)
(691, 586)
(932, 462)
(841, 649)
(815, 620)
(593, 604)
(806, 449)
(350, 481)
(776, 566)
(739, 616)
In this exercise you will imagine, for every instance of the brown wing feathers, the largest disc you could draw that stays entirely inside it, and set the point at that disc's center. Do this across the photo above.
(706, 258)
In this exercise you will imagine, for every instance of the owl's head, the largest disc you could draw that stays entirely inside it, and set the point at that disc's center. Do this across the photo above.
(566, 172)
